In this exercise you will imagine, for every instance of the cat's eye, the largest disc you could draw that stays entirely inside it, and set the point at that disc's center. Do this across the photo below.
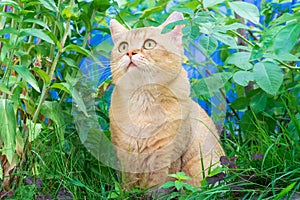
(149, 44)
(123, 47)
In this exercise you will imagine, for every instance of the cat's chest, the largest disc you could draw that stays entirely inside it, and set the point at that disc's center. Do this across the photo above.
(148, 107)
(146, 111)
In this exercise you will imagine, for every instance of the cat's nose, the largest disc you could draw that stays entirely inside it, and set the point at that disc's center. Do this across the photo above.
(130, 54)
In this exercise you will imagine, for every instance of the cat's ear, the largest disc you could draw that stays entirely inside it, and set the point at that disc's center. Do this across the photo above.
(175, 16)
(176, 33)
(116, 29)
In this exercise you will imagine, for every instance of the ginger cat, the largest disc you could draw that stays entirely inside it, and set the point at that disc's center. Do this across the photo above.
(155, 126)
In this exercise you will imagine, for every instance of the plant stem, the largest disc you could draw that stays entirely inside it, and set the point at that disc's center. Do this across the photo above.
(287, 66)
(242, 38)
(52, 49)
(51, 72)
(11, 53)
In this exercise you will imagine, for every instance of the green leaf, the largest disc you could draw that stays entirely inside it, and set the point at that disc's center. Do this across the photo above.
(226, 39)
(104, 48)
(49, 110)
(233, 26)
(160, 7)
(10, 15)
(36, 33)
(11, 3)
(203, 17)
(211, 3)
(256, 53)
(28, 4)
(210, 44)
(71, 12)
(77, 183)
(180, 176)
(4, 50)
(75, 95)
(34, 130)
(62, 86)
(216, 171)
(248, 122)
(37, 21)
(203, 182)
(286, 38)
(4, 89)
(284, 56)
(285, 17)
(285, 190)
(174, 195)
(8, 128)
(87, 21)
(186, 30)
(185, 10)
(27, 76)
(49, 4)
(259, 102)
(12, 81)
(42, 74)
(240, 59)
(54, 39)
(245, 10)
(207, 86)
(9, 31)
(69, 61)
(194, 32)
(113, 195)
(190, 187)
(240, 104)
(118, 187)
(178, 184)
(168, 184)
(81, 50)
(171, 25)
(243, 77)
(101, 5)
(268, 37)
(268, 76)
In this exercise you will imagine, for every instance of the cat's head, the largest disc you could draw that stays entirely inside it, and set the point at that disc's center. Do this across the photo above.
(145, 54)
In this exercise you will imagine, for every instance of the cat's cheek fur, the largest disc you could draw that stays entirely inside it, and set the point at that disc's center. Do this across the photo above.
(119, 66)
(124, 62)
(169, 69)
(139, 60)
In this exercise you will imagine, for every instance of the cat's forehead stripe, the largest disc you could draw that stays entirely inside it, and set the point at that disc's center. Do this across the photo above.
(140, 33)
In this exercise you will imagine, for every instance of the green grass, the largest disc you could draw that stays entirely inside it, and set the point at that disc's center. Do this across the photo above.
(264, 165)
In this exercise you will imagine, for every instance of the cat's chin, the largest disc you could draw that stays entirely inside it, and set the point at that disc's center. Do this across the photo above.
(131, 67)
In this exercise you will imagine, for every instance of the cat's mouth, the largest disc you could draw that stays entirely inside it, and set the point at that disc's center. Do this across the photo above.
(131, 66)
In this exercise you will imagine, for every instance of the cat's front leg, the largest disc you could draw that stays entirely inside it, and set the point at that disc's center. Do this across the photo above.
(151, 180)
(130, 180)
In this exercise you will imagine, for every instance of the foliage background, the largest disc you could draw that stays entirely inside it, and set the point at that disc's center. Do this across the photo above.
(243, 63)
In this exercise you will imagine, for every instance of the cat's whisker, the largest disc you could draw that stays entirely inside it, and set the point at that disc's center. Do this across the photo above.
(116, 70)
(94, 74)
